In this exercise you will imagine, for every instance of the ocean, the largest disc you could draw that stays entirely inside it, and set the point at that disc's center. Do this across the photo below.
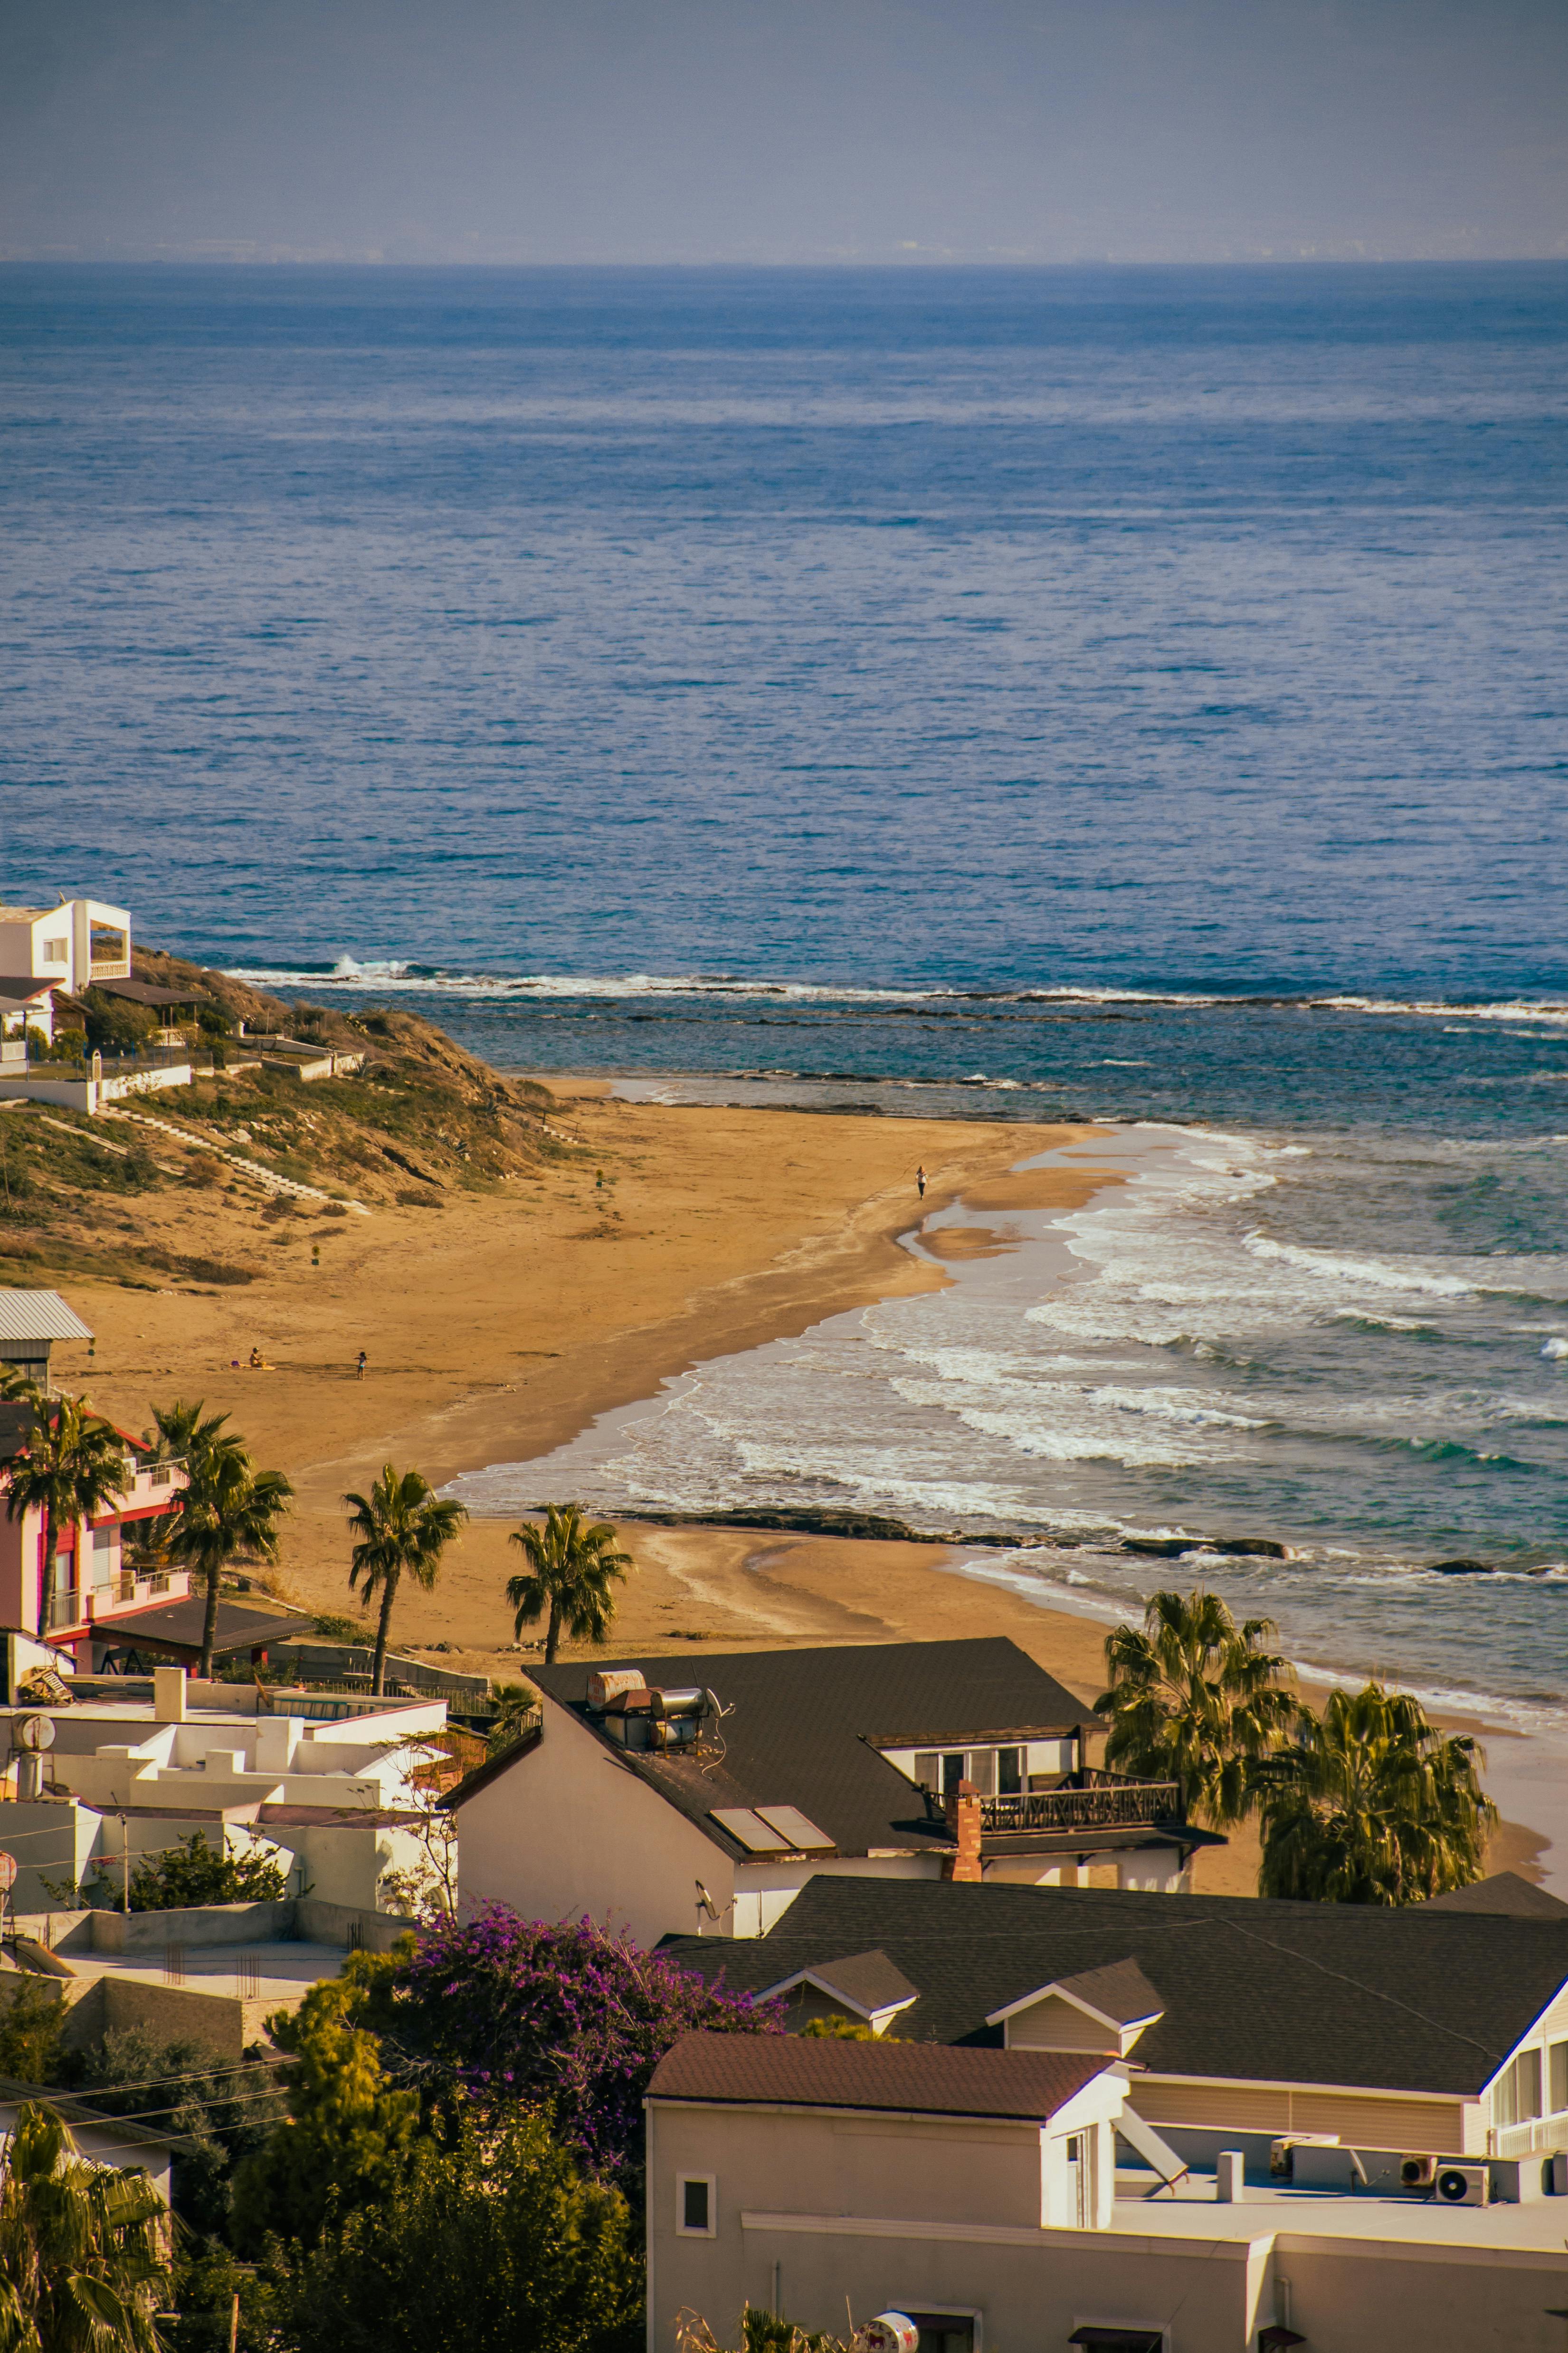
(1116, 694)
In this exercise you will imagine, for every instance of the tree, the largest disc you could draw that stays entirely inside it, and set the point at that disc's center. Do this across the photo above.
(83, 2248)
(116, 1022)
(567, 2016)
(571, 1568)
(1372, 1804)
(192, 1873)
(403, 1527)
(489, 2242)
(226, 1511)
(516, 1712)
(74, 1466)
(1197, 1700)
(350, 2132)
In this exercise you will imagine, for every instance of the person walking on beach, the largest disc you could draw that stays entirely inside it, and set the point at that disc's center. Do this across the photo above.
(920, 1181)
(359, 1369)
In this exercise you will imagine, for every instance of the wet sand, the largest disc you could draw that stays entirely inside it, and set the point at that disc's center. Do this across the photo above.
(496, 1328)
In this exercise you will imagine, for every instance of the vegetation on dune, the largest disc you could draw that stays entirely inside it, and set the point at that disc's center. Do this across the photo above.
(422, 1122)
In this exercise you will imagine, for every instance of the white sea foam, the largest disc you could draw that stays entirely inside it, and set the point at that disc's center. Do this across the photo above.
(409, 975)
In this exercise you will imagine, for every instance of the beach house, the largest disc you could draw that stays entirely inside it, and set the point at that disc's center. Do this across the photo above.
(1435, 2029)
(70, 945)
(709, 1806)
(970, 2198)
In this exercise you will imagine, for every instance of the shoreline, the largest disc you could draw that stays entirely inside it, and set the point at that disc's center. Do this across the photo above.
(716, 1230)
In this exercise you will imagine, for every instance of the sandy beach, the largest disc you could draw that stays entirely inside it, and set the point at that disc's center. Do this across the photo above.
(496, 1328)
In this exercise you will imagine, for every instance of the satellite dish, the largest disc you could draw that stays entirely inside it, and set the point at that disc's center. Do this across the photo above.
(35, 1733)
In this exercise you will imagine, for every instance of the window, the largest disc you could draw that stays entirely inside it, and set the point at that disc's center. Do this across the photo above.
(55, 951)
(1009, 1772)
(695, 2206)
(983, 1771)
(941, 2332)
(1517, 2097)
(1559, 2077)
(928, 1770)
(953, 1773)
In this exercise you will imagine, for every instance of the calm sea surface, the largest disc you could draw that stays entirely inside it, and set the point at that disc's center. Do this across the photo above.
(1126, 694)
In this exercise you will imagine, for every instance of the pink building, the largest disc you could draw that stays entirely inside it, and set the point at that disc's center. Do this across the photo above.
(93, 1585)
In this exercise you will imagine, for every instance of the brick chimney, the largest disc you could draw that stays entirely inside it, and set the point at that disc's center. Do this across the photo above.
(963, 1822)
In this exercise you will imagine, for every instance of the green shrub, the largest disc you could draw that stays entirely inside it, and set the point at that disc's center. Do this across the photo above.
(30, 2025)
(192, 1872)
(337, 1626)
(115, 1022)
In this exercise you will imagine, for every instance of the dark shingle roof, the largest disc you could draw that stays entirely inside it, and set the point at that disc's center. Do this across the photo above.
(1424, 1999)
(1504, 1892)
(898, 2075)
(803, 1722)
(868, 1982)
(1119, 1991)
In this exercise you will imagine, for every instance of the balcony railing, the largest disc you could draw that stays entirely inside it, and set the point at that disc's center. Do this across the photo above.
(1088, 1800)
(75, 1605)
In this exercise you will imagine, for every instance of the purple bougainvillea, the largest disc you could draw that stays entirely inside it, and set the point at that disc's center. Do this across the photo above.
(572, 2016)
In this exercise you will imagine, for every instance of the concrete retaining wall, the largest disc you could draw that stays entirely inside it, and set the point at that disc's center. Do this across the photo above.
(334, 1924)
(200, 1924)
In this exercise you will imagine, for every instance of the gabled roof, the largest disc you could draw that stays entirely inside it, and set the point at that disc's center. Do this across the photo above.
(785, 2070)
(802, 1727)
(1504, 1892)
(866, 1982)
(39, 1315)
(1423, 1999)
(1118, 1994)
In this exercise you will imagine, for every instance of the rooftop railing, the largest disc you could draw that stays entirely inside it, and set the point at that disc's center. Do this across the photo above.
(1091, 1800)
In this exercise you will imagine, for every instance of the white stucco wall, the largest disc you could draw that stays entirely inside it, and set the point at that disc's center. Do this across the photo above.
(571, 1830)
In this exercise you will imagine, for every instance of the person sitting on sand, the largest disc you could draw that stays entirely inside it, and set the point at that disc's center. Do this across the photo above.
(257, 1361)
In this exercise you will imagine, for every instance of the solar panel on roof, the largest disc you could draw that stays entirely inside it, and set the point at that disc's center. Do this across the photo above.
(750, 1829)
(795, 1829)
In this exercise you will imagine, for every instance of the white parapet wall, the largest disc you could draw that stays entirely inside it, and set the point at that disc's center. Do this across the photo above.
(90, 1095)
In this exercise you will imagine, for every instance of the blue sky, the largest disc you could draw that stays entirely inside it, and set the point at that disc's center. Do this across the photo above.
(792, 130)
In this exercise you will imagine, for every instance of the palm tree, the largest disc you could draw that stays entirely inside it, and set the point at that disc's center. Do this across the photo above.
(569, 1570)
(516, 1712)
(402, 1525)
(84, 2248)
(1372, 1804)
(226, 1511)
(182, 1432)
(74, 1465)
(1196, 1699)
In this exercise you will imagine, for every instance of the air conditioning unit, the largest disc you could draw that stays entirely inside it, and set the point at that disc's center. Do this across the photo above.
(1417, 2173)
(1462, 2185)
